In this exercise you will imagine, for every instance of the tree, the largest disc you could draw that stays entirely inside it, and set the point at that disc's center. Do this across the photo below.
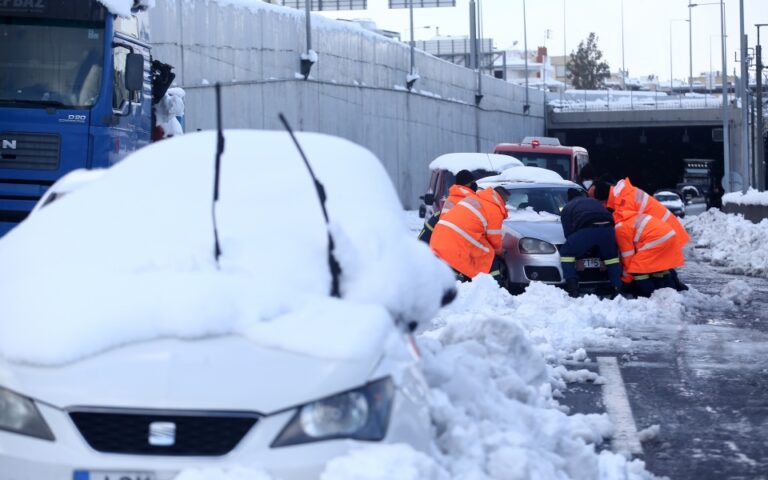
(585, 68)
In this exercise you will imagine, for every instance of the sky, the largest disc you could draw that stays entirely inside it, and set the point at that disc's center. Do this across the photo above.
(647, 25)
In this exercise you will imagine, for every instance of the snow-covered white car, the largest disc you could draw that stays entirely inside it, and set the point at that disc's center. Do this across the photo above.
(67, 184)
(533, 233)
(672, 201)
(130, 350)
(443, 172)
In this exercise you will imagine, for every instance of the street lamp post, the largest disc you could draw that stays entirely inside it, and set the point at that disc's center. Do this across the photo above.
(690, 52)
(623, 67)
(726, 184)
(743, 57)
(762, 178)
(527, 105)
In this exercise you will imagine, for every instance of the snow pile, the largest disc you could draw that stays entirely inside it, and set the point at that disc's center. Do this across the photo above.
(384, 462)
(737, 291)
(167, 109)
(491, 162)
(233, 473)
(493, 362)
(123, 7)
(751, 197)
(129, 257)
(730, 241)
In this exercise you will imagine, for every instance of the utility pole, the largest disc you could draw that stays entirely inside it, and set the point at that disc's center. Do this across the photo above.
(690, 52)
(762, 178)
(727, 187)
(744, 101)
(527, 105)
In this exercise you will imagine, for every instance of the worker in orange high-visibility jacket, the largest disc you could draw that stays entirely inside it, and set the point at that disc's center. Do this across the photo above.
(464, 185)
(648, 250)
(625, 196)
(468, 236)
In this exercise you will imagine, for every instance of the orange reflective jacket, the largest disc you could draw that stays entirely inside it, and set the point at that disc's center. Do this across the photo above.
(647, 244)
(456, 194)
(625, 196)
(461, 237)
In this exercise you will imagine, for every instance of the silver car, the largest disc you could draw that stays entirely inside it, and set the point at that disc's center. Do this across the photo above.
(533, 236)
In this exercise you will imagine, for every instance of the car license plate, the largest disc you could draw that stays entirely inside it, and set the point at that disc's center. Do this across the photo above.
(591, 263)
(113, 475)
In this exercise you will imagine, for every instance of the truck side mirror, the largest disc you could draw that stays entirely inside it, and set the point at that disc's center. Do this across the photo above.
(134, 72)
(429, 198)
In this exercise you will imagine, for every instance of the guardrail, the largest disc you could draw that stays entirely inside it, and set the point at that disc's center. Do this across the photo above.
(623, 102)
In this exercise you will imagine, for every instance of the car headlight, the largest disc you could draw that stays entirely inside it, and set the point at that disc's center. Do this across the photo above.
(20, 415)
(535, 246)
(359, 414)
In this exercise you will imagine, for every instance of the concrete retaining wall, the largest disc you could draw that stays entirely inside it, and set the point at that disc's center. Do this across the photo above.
(753, 213)
(356, 89)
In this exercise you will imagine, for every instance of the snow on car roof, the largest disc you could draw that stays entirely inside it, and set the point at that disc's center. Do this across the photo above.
(130, 258)
(455, 162)
(123, 7)
(526, 174)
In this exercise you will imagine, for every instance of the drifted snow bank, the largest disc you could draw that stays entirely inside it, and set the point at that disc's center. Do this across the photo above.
(495, 366)
(730, 241)
(133, 253)
(751, 197)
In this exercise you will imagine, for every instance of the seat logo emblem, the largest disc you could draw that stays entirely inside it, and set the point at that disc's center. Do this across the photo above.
(162, 434)
(9, 144)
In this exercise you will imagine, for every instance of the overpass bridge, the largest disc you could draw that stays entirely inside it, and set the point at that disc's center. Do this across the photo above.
(648, 137)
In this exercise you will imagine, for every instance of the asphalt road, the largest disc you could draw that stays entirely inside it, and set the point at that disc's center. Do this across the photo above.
(704, 383)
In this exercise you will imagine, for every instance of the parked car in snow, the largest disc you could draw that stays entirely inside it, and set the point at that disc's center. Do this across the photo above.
(445, 167)
(67, 184)
(672, 201)
(533, 233)
(151, 354)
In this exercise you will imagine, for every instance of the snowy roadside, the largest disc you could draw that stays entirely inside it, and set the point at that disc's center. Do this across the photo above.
(495, 364)
(730, 241)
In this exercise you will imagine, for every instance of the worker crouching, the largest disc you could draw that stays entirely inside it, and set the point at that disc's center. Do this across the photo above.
(468, 237)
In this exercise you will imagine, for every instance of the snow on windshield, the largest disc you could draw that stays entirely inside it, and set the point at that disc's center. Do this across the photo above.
(129, 257)
(527, 174)
(454, 162)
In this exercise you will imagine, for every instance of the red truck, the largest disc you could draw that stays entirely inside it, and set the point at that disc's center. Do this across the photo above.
(546, 152)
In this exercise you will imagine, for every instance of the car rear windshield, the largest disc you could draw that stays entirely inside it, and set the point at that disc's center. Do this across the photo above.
(540, 199)
(551, 161)
(666, 197)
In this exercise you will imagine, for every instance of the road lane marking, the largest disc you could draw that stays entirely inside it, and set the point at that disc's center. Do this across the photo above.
(625, 440)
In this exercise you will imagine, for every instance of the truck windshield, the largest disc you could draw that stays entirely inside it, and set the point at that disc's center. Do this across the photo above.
(50, 63)
(551, 161)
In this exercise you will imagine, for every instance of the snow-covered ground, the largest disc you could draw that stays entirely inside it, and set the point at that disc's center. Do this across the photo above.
(730, 241)
(496, 366)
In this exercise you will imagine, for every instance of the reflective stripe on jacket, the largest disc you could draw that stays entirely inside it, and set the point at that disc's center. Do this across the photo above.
(646, 244)
(625, 196)
(461, 237)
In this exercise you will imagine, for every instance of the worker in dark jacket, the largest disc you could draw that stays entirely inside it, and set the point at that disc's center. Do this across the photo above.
(465, 185)
(587, 225)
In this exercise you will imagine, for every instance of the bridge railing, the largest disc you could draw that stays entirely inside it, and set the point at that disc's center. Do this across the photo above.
(626, 101)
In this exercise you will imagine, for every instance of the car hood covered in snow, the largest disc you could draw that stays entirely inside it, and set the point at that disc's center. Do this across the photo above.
(223, 373)
(129, 258)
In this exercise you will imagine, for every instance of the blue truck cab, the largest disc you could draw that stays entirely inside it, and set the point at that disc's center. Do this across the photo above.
(75, 92)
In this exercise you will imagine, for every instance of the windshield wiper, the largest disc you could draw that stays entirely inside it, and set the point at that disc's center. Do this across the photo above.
(42, 103)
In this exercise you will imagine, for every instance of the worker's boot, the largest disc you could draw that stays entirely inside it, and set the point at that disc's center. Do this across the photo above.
(572, 287)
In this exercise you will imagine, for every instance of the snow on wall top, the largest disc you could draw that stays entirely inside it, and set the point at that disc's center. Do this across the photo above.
(129, 257)
(751, 197)
(123, 7)
(492, 162)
